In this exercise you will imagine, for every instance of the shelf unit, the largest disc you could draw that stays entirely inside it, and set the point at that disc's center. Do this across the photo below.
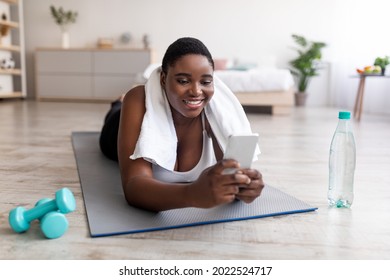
(10, 24)
(12, 81)
(88, 74)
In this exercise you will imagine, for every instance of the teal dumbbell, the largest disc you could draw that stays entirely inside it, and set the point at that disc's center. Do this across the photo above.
(20, 218)
(54, 224)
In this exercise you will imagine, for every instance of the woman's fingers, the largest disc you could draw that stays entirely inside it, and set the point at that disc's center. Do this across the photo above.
(251, 192)
(252, 173)
(215, 187)
(236, 178)
(220, 166)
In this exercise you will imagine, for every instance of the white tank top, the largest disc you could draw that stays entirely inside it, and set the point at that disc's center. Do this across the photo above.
(206, 160)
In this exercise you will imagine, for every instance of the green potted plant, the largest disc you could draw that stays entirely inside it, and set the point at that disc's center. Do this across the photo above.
(382, 62)
(306, 65)
(63, 19)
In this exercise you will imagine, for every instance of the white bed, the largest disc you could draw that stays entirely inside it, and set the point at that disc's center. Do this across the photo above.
(272, 87)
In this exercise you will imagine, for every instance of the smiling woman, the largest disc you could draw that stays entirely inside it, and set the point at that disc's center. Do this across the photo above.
(188, 92)
(169, 142)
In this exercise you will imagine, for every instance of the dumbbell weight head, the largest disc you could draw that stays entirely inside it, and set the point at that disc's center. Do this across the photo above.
(20, 218)
(65, 201)
(53, 224)
(17, 221)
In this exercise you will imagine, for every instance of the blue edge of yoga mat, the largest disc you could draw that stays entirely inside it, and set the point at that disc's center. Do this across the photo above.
(109, 214)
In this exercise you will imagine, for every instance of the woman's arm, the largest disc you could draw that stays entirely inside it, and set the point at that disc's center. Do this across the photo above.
(140, 188)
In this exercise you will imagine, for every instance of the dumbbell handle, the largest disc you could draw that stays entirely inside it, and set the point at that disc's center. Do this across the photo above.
(40, 210)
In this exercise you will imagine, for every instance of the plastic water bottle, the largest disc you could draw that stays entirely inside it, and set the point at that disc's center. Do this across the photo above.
(342, 161)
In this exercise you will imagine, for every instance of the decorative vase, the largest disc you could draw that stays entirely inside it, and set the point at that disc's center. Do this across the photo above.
(65, 40)
(300, 99)
(65, 37)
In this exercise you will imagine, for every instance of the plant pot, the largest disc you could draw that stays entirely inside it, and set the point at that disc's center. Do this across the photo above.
(300, 99)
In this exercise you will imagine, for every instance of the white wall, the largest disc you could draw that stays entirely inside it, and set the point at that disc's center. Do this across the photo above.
(260, 30)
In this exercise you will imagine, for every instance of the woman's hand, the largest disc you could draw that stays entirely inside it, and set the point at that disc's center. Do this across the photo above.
(248, 193)
(214, 188)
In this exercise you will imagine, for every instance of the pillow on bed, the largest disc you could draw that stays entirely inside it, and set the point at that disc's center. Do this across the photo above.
(243, 66)
(220, 64)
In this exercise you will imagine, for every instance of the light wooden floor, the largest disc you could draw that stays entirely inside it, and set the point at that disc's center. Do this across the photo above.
(36, 159)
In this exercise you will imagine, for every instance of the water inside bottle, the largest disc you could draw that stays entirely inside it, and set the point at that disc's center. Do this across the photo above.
(341, 171)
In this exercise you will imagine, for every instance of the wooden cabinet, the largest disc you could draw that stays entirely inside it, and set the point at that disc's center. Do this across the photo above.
(115, 72)
(88, 74)
(12, 80)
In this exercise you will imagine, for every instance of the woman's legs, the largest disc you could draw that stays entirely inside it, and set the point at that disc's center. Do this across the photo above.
(109, 134)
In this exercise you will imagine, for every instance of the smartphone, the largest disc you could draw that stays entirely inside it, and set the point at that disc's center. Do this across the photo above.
(241, 148)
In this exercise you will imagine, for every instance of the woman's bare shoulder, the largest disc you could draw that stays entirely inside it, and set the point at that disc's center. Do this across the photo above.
(135, 95)
(133, 108)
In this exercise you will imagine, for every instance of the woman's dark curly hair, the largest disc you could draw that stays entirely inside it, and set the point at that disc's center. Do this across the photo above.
(182, 47)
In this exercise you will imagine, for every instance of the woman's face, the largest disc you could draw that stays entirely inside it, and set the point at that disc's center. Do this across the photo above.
(189, 85)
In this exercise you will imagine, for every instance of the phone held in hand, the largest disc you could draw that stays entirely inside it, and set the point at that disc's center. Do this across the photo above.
(242, 149)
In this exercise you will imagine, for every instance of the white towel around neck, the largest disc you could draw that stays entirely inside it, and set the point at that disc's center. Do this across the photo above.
(157, 142)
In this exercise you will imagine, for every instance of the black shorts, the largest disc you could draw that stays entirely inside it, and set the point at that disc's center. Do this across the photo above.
(109, 134)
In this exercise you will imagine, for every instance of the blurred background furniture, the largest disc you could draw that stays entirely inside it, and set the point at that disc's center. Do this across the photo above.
(271, 87)
(360, 93)
(88, 74)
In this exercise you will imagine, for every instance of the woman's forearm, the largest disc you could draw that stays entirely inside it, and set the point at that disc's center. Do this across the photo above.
(150, 194)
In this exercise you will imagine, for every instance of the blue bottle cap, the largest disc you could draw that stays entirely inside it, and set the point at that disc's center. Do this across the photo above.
(344, 115)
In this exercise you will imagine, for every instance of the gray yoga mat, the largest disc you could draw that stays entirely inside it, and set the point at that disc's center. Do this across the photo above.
(109, 214)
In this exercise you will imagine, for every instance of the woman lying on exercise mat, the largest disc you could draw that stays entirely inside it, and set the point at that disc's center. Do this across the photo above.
(169, 136)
